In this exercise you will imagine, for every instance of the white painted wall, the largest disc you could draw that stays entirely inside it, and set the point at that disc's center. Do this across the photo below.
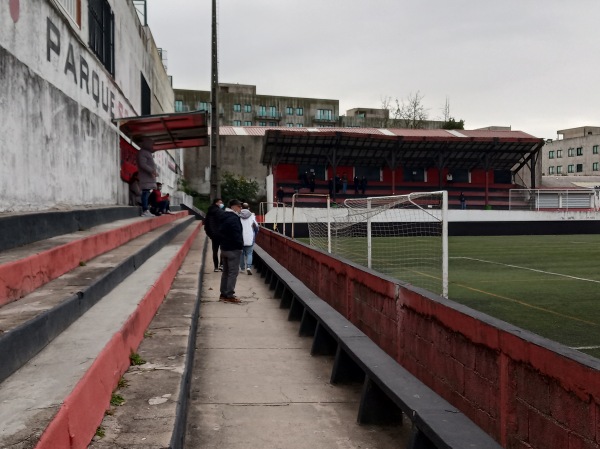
(58, 146)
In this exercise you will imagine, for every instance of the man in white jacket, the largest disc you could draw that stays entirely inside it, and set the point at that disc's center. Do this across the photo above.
(250, 229)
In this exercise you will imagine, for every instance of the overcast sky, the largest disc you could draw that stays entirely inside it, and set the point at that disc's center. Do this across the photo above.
(533, 65)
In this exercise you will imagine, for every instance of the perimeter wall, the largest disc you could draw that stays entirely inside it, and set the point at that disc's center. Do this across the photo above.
(524, 390)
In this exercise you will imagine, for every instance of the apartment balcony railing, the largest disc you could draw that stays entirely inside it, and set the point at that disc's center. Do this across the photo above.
(268, 115)
(325, 119)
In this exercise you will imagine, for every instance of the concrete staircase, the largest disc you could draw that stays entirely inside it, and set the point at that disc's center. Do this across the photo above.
(79, 291)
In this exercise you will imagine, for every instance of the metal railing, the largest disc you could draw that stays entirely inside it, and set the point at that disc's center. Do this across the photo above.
(554, 199)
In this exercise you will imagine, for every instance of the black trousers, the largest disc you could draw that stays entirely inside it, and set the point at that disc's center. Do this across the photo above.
(215, 253)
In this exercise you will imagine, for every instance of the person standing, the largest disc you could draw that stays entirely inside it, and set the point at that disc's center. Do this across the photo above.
(250, 229)
(344, 183)
(363, 185)
(312, 182)
(211, 227)
(356, 183)
(146, 173)
(280, 194)
(231, 240)
(463, 201)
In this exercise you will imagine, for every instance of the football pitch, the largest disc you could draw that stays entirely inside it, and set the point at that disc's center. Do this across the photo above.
(547, 284)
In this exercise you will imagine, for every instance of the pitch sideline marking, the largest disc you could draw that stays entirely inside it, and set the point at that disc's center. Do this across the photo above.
(579, 348)
(528, 305)
(530, 269)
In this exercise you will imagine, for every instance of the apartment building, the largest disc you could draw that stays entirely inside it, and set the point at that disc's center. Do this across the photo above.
(240, 105)
(574, 153)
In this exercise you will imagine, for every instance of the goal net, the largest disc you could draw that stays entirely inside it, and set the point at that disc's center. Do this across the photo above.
(404, 236)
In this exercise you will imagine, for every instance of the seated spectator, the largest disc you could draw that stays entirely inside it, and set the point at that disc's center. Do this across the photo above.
(159, 203)
(135, 191)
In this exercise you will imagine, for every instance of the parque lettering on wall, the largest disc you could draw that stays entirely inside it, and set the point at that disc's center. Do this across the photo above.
(78, 69)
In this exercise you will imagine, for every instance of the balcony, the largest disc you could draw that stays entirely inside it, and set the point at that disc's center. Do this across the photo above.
(266, 115)
(325, 119)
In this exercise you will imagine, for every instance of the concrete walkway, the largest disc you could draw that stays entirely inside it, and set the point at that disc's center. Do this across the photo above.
(255, 384)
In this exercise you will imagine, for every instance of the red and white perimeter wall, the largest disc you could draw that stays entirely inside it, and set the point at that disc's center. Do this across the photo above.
(524, 390)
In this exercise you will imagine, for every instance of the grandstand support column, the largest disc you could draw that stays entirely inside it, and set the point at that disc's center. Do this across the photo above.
(442, 158)
(369, 240)
(333, 161)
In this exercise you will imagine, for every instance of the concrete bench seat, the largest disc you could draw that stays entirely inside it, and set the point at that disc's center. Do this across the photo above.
(390, 392)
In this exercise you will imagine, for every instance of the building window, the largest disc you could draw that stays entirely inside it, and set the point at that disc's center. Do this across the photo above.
(299, 125)
(558, 169)
(559, 153)
(102, 33)
(579, 151)
(570, 168)
(571, 152)
(262, 112)
(247, 108)
(178, 106)
(324, 114)
(595, 166)
(551, 154)
(202, 106)
(262, 123)
(579, 168)
(551, 170)
(272, 111)
(72, 8)
(595, 149)
(290, 125)
(289, 110)
(237, 108)
(272, 123)
(299, 111)
(237, 123)
(247, 123)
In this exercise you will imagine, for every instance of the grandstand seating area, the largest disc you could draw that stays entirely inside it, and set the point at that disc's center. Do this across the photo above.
(498, 194)
(76, 297)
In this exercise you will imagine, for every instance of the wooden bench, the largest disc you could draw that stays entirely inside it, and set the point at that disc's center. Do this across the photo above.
(390, 393)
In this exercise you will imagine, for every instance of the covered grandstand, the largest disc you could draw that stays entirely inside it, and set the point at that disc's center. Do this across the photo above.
(483, 164)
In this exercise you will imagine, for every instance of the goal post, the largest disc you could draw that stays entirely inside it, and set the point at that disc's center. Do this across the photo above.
(326, 218)
(404, 236)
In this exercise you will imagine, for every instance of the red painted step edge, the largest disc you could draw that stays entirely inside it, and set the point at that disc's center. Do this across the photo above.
(82, 411)
(23, 276)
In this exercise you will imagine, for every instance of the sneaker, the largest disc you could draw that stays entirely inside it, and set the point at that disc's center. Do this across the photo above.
(147, 213)
(249, 271)
(169, 212)
(232, 299)
(221, 268)
(217, 270)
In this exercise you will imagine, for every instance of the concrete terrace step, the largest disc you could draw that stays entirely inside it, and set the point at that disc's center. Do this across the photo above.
(58, 398)
(28, 324)
(28, 267)
(153, 414)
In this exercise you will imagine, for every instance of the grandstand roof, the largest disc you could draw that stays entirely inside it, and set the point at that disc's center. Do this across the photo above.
(406, 147)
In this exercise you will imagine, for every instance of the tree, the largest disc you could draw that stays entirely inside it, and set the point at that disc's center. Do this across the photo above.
(449, 121)
(453, 124)
(412, 112)
(238, 187)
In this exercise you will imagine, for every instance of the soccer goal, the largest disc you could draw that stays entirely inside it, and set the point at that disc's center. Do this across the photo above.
(404, 236)
(273, 212)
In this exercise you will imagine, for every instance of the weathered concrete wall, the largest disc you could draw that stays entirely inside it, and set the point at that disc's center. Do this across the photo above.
(57, 143)
(240, 155)
(524, 390)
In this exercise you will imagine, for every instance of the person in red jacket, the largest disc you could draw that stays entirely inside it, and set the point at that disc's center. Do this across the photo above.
(159, 203)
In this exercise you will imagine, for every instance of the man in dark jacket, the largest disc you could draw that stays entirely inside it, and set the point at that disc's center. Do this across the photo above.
(211, 227)
(231, 240)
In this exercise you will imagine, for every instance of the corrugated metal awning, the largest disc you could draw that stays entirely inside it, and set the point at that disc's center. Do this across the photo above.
(167, 131)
